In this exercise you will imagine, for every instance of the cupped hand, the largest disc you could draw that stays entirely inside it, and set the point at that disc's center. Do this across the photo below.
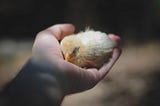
(46, 50)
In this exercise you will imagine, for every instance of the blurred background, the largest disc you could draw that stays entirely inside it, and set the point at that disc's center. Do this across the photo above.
(133, 81)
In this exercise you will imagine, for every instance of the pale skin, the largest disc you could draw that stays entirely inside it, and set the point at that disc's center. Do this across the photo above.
(70, 78)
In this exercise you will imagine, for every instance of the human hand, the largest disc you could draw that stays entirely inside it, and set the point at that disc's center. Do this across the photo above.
(46, 51)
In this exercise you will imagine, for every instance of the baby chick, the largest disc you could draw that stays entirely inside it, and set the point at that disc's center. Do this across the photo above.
(87, 49)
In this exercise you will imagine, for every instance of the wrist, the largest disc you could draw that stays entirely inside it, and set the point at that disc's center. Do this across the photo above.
(54, 68)
(35, 84)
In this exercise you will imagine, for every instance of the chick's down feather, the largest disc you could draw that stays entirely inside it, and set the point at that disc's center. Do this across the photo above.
(87, 49)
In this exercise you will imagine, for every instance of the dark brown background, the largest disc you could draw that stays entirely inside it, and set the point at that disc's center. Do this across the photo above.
(134, 19)
(135, 78)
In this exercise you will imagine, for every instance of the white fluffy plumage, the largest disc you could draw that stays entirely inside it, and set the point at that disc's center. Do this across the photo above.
(88, 49)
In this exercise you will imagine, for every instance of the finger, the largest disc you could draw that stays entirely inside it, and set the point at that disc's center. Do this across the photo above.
(61, 30)
(86, 78)
(69, 68)
(115, 38)
(107, 66)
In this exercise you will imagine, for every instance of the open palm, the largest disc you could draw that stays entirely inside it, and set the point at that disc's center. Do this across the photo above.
(46, 49)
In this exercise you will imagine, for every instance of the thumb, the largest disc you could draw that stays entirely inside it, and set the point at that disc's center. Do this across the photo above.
(61, 30)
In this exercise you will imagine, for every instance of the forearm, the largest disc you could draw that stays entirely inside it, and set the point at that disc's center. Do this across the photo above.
(35, 85)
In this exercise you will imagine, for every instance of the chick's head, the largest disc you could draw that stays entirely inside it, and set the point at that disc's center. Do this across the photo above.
(70, 47)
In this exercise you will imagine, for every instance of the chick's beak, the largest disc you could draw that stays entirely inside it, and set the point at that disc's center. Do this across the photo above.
(67, 56)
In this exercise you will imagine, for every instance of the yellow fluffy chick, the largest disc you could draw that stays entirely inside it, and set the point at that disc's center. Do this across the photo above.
(87, 49)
